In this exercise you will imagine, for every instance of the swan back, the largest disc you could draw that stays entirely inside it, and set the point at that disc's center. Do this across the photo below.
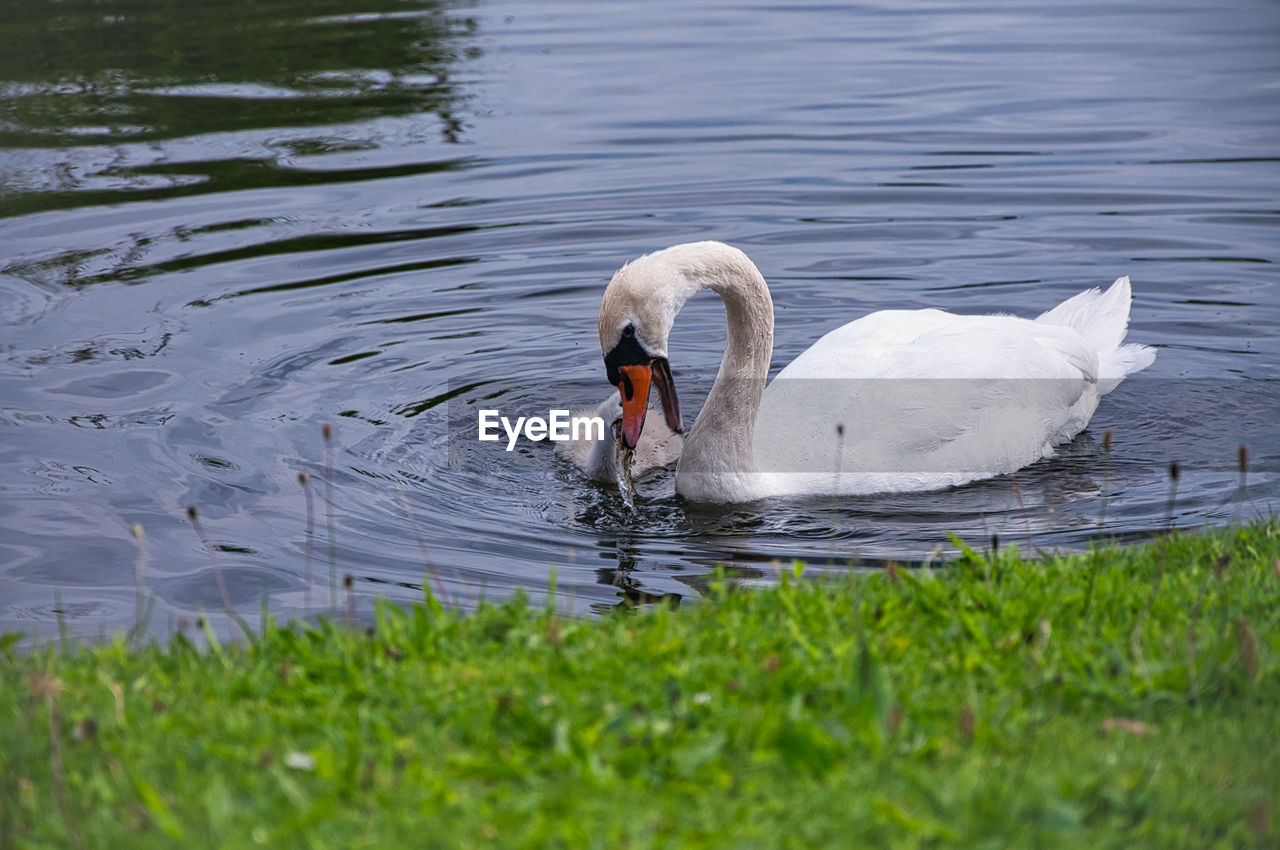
(906, 400)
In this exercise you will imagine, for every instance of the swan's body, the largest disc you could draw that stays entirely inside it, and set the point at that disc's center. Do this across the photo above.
(897, 401)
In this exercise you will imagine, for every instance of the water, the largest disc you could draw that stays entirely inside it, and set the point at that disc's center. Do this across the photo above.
(221, 229)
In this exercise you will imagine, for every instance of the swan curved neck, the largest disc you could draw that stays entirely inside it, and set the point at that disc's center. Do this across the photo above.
(720, 442)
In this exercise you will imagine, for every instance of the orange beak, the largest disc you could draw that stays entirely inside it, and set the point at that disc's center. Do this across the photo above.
(634, 389)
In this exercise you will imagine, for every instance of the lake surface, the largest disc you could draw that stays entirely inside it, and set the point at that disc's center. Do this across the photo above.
(221, 229)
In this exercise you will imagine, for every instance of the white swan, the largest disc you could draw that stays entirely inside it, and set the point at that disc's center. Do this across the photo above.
(897, 401)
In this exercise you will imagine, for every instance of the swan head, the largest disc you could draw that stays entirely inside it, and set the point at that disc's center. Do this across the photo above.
(636, 314)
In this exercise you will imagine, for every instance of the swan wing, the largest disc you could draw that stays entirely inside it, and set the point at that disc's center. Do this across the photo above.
(923, 398)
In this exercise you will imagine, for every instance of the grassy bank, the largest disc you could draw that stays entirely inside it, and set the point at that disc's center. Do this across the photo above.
(1118, 699)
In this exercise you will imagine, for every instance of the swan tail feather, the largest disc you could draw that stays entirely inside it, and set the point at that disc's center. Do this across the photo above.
(1102, 318)
(1120, 362)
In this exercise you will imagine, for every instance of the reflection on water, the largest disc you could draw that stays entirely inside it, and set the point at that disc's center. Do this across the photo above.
(161, 69)
(223, 226)
(99, 102)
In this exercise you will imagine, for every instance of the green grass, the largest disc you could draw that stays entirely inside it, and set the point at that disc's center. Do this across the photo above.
(1123, 698)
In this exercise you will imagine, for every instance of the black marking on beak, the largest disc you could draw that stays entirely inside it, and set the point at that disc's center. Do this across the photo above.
(628, 352)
